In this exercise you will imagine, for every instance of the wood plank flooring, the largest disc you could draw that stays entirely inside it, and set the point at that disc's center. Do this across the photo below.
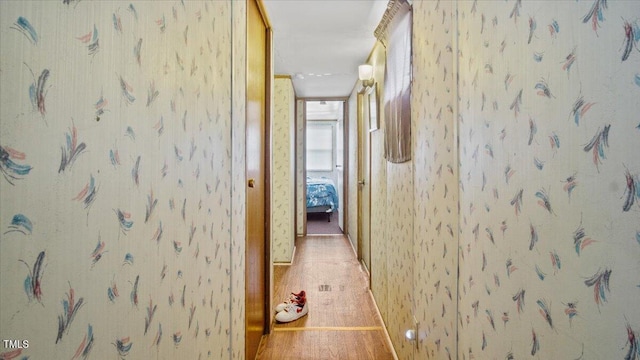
(343, 322)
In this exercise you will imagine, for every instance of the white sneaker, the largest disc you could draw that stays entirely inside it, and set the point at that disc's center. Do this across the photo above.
(293, 299)
(292, 312)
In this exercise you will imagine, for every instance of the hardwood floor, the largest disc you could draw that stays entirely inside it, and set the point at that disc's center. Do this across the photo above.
(317, 224)
(343, 322)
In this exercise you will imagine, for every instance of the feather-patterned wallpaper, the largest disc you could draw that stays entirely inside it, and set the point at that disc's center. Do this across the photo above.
(282, 171)
(546, 118)
(300, 166)
(116, 153)
(548, 142)
(435, 192)
(525, 184)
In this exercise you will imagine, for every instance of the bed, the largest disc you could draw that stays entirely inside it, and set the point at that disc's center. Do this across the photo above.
(322, 196)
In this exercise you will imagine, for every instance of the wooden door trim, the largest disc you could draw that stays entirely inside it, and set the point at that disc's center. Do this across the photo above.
(345, 156)
(267, 168)
(345, 166)
(363, 174)
(267, 163)
(304, 165)
(359, 171)
(265, 16)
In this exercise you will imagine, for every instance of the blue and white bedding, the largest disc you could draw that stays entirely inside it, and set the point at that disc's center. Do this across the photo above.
(321, 192)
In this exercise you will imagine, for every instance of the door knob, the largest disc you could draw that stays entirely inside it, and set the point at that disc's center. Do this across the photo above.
(413, 334)
(251, 183)
(361, 182)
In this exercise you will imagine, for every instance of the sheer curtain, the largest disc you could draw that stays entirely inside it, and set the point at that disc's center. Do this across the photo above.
(394, 32)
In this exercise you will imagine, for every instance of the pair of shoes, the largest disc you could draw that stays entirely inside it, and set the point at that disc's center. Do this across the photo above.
(292, 312)
(293, 298)
(292, 309)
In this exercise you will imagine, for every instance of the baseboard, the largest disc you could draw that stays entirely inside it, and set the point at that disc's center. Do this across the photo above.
(293, 255)
(364, 267)
(351, 243)
(384, 326)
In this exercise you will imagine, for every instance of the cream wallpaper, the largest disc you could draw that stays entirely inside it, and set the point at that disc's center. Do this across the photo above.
(399, 254)
(282, 171)
(301, 191)
(524, 220)
(435, 191)
(117, 164)
(381, 219)
(238, 198)
(549, 136)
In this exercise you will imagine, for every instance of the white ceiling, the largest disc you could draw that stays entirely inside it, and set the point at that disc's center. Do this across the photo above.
(324, 110)
(320, 43)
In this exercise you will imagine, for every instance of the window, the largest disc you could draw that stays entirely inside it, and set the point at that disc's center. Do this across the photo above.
(320, 147)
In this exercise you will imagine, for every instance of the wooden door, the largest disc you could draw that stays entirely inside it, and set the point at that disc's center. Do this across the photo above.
(364, 186)
(256, 272)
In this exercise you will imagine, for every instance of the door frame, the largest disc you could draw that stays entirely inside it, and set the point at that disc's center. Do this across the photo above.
(363, 176)
(345, 158)
(267, 169)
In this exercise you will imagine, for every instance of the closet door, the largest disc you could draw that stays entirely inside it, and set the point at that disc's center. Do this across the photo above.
(256, 272)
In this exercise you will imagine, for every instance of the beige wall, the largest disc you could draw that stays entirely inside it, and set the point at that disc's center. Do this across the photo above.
(434, 132)
(238, 195)
(391, 221)
(506, 127)
(300, 168)
(391, 227)
(480, 257)
(282, 170)
(378, 184)
(142, 205)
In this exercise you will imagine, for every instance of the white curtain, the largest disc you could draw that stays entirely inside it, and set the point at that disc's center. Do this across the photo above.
(395, 33)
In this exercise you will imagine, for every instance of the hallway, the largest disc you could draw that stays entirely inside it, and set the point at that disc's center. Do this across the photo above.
(343, 322)
(511, 232)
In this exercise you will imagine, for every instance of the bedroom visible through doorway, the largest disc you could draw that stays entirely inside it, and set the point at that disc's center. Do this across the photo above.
(324, 158)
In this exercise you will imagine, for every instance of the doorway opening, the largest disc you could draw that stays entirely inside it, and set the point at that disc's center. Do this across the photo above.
(325, 167)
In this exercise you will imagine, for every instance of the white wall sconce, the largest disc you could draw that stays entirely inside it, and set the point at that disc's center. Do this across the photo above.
(365, 74)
